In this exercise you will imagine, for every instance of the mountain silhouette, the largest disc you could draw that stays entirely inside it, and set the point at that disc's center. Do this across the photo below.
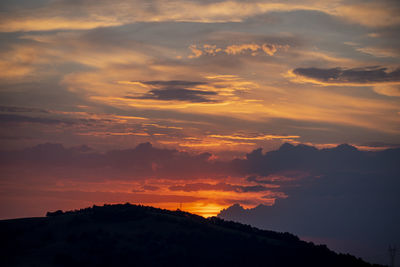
(135, 235)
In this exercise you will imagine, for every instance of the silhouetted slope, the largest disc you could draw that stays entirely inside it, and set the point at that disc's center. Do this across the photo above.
(130, 235)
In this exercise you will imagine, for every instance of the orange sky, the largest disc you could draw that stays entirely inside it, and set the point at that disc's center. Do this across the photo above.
(222, 77)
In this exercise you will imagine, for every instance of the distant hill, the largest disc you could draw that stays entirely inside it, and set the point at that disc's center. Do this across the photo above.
(131, 235)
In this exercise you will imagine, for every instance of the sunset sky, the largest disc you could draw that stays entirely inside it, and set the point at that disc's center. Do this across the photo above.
(151, 102)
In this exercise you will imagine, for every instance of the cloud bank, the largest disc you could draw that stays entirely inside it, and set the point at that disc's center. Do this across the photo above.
(340, 196)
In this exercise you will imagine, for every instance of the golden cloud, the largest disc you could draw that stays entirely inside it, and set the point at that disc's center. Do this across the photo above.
(236, 49)
(60, 15)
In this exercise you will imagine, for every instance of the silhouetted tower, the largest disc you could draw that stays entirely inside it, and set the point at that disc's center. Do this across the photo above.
(392, 253)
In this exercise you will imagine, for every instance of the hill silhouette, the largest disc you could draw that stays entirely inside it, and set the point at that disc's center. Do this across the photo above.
(135, 235)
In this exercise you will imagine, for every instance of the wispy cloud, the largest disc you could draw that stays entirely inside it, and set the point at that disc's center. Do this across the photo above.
(356, 77)
(180, 94)
(61, 15)
(256, 137)
(218, 187)
(236, 49)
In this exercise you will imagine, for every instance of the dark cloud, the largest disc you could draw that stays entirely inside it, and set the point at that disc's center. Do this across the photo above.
(21, 109)
(179, 94)
(218, 187)
(253, 188)
(259, 180)
(141, 162)
(174, 83)
(14, 115)
(12, 118)
(150, 188)
(13, 137)
(146, 161)
(356, 75)
(308, 159)
(337, 193)
(346, 198)
(176, 90)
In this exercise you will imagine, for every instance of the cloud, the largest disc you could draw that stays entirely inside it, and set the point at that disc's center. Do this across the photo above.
(387, 50)
(362, 12)
(381, 144)
(62, 14)
(355, 76)
(176, 90)
(270, 49)
(195, 96)
(312, 161)
(18, 61)
(103, 59)
(150, 188)
(12, 118)
(290, 164)
(144, 170)
(14, 109)
(146, 161)
(206, 49)
(318, 192)
(143, 161)
(193, 187)
(196, 52)
(16, 114)
(173, 83)
(146, 188)
(270, 180)
(13, 137)
(236, 49)
(340, 195)
(256, 137)
(380, 52)
(388, 90)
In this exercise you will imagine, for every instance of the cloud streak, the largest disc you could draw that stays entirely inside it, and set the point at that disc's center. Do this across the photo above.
(360, 76)
(12, 118)
(60, 15)
(384, 81)
(176, 90)
(180, 94)
(194, 187)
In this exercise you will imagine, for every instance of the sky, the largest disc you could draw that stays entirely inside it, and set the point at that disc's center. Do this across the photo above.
(160, 102)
